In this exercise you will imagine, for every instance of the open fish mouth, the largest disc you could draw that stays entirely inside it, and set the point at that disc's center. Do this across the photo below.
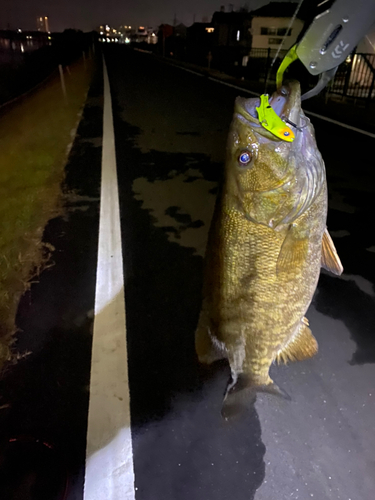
(286, 102)
(245, 110)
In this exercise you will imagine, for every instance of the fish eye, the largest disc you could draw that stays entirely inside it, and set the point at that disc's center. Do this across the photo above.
(245, 158)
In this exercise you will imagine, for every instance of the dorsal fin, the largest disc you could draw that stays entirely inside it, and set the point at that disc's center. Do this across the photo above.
(330, 259)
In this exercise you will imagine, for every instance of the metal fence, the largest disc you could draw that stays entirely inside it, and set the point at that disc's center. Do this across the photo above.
(263, 64)
(355, 77)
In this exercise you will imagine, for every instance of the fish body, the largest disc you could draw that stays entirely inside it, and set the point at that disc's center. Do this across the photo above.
(264, 250)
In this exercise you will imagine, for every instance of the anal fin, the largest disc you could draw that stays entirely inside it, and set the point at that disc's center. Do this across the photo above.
(330, 259)
(302, 345)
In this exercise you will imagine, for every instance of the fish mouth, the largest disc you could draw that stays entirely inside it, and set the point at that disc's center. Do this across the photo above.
(286, 102)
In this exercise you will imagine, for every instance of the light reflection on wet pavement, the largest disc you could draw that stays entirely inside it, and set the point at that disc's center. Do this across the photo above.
(170, 144)
(319, 445)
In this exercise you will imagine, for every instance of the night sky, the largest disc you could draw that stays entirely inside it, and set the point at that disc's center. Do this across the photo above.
(88, 14)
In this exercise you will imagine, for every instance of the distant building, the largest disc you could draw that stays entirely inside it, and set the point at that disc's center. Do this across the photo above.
(42, 24)
(232, 29)
(140, 35)
(231, 38)
(165, 39)
(115, 35)
(270, 25)
(199, 42)
(152, 37)
(144, 34)
(107, 33)
(126, 34)
(172, 40)
(180, 30)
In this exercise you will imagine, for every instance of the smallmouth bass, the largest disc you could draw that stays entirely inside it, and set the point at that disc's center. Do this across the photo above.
(267, 242)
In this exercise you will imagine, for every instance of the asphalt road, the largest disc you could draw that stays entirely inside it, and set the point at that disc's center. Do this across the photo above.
(170, 135)
(171, 128)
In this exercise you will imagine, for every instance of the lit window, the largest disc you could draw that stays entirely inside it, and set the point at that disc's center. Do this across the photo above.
(210, 30)
(238, 35)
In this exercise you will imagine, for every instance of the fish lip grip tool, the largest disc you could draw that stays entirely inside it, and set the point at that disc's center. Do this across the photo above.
(271, 121)
(330, 38)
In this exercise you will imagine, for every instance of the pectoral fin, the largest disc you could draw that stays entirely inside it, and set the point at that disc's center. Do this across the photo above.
(293, 251)
(302, 345)
(330, 259)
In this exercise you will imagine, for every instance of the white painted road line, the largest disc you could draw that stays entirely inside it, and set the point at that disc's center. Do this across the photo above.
(233, 86)
(109, 457)
(316, 115)
(340, 124)
(189, 70)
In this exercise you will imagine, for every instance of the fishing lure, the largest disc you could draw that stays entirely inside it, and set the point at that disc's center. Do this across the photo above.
(272, 122)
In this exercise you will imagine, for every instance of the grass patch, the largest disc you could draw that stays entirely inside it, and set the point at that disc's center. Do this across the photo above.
(35, 134)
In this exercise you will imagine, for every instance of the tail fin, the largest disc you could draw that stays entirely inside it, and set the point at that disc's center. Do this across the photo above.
(243, 394)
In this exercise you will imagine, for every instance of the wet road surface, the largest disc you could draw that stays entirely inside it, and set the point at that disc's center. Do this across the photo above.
(44, 397)
(170, 134)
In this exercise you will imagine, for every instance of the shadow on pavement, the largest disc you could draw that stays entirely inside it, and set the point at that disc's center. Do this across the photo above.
(182, 446)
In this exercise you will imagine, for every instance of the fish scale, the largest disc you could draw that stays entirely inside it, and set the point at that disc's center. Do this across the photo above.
(264, 252)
